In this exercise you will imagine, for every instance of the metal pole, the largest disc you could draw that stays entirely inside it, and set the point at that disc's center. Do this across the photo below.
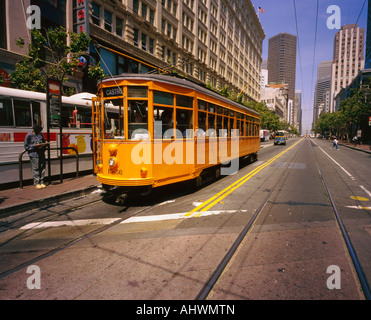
(60, 132)
(48, 129)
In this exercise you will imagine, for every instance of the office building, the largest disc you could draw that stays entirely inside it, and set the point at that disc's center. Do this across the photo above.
(282, 61)
(348, 58)
(368, 41)
(216, 42)
(323, 84)
(282, 65)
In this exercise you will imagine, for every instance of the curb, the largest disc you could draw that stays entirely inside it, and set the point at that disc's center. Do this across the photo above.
(354, 148)
(11, 210)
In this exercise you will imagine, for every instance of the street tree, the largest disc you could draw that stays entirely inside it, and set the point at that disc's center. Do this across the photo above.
(51, 55)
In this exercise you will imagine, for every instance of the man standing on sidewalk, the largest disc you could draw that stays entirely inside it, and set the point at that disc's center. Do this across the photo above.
(35, 144)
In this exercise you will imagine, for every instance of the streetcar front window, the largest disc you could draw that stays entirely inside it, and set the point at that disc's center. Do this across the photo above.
(138, 119)
(114, 118)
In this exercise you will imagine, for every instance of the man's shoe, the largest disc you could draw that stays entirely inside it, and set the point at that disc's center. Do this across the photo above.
(43, 186)
(38, 186)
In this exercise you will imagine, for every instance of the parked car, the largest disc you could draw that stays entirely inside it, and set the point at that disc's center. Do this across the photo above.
(280, 140)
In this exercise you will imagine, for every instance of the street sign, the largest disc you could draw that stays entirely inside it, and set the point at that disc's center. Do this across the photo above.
(55, 110)
(369, 121)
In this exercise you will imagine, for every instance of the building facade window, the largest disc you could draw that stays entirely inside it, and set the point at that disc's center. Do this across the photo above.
(2, 26)
(95, 13)
(108, 20)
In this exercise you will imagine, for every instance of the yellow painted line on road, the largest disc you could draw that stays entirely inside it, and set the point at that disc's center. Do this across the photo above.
(225, 192)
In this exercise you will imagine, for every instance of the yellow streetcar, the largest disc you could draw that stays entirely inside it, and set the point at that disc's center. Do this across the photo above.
(152, 130)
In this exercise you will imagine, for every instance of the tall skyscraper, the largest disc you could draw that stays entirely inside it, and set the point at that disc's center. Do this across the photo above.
(368, 43)
(348, 58)
(323, 84)
(282, 63)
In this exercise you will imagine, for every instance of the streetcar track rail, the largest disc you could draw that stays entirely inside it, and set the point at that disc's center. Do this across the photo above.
(211, 282)
(352, 252)
(226, 260)
(80, 238)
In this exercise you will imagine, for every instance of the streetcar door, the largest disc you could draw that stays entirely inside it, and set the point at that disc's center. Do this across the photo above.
(97, 131)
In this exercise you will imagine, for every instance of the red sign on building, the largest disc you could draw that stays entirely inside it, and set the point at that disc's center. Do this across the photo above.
(81, 13)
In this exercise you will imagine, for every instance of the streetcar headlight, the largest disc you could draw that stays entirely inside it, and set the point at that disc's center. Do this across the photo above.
(113, 163)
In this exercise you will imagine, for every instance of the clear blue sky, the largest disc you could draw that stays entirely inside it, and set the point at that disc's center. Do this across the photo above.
(279, 16)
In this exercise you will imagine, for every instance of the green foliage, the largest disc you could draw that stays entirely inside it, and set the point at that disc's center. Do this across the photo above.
(350, 113)
(269, 120)
(51, 55)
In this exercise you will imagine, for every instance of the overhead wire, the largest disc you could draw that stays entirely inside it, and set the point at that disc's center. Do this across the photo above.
(314, 57)
(299, 53)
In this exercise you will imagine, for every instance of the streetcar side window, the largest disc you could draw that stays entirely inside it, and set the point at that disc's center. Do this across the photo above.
(184, 101)
(225, 126)
(211, 125)
(6, 113)
(165, 98)
(184, 122)
(138, 119)
(219, 125)
(22, 112)
(202, 118)
(163, 118)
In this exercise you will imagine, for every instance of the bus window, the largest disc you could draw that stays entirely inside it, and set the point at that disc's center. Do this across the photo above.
(163, 126)
(36, 116)
(6, 113)
(183, 122)
(138, 119)
(22, 112)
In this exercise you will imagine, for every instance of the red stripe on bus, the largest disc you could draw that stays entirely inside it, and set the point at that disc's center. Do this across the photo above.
(19, 136)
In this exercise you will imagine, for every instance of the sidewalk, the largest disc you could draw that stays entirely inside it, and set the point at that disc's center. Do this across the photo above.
(17, 200)
(359, 147)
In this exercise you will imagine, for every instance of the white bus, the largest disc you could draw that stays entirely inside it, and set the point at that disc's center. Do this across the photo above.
(20, 110)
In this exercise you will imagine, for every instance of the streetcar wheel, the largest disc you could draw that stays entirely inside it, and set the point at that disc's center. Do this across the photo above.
(121, 199)
(217, 173)
(198, 181)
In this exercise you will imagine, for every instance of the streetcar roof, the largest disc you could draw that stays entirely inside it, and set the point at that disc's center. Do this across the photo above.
(179, 82)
